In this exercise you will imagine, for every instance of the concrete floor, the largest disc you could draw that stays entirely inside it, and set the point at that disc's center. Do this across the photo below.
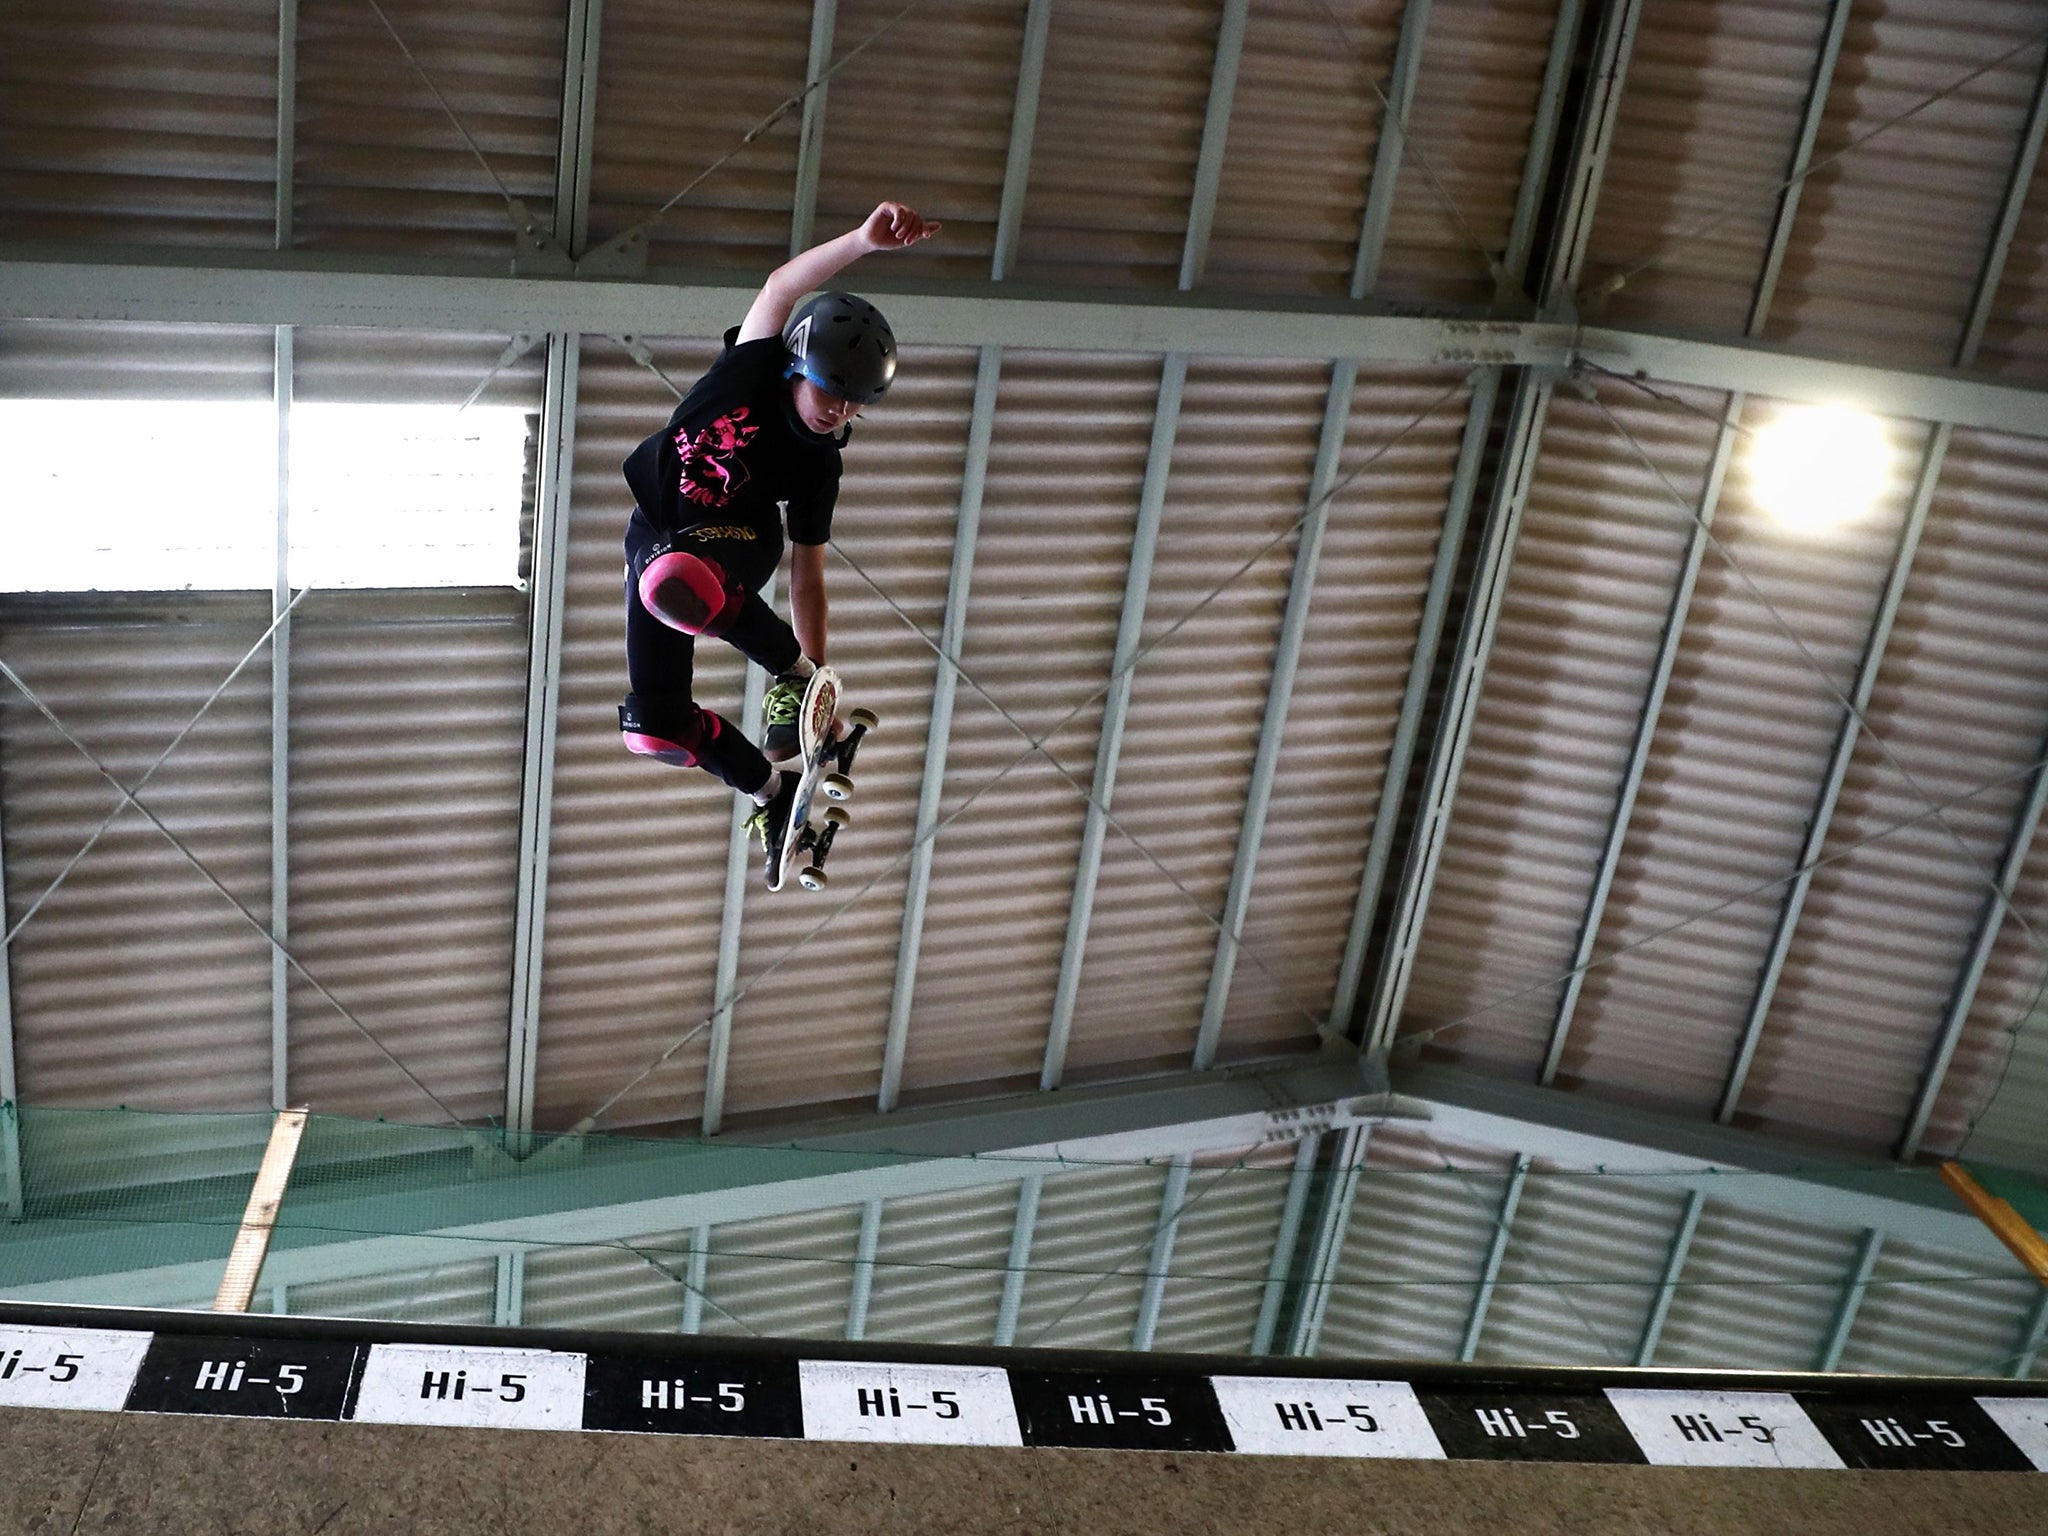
(85, 1472)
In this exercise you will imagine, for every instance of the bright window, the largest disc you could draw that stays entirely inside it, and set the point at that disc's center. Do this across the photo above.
(154, 496)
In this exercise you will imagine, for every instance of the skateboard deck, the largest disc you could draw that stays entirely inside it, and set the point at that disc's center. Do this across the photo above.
(827, 759)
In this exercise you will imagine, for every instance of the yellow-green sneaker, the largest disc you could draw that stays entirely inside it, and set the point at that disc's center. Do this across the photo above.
(780, 706)
(770, 823)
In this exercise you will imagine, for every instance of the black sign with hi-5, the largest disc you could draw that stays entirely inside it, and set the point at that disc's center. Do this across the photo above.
(696, 1395)
(1132, 1413)
(1945, 1434)
(245, 1378)
(1483, 1423)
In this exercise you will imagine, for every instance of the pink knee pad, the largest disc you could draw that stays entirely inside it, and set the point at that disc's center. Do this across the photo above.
(688, 592)
(702, 727)
(673, 753)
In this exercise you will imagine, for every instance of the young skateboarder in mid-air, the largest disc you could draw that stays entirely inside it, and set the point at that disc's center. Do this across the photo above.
(763, 426)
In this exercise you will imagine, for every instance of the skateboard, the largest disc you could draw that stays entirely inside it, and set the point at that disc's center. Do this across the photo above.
(827, 759)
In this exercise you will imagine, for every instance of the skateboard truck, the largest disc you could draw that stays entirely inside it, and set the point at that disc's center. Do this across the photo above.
(827, 770)
(837, 786)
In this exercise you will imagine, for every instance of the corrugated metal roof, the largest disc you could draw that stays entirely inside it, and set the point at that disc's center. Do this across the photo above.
(1580, 1271)
(378, 164)
(950, 78)
(1071, 434)
(140, 122)
(1925, 1313)
(1135, 76)
(1716, 92)
(1287, 222)
(408, 712)
(1961, 707)
(1587, 600)
(1889, 243)
(1468, 132)
(1733, 778)
(610, 1287)
(1379, 551)
(1239, 482)
(404, 835)
(663, 116)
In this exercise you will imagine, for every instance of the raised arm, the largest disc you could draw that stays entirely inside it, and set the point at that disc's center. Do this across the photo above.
(891, 227)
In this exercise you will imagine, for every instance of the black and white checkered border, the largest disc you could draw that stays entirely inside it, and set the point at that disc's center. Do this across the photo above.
(1860, 1423)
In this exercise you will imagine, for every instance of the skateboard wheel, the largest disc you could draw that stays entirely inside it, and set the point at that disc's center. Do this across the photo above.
(837, 815)
(837, 786)
(866, 718)
(811, 878)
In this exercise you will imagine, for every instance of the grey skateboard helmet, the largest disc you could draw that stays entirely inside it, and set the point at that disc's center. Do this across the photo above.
(842, 344)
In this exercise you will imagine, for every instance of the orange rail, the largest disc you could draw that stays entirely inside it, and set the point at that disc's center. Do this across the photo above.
(2006, 1224)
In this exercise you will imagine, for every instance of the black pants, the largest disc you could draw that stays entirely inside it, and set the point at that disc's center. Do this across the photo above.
(719, 576)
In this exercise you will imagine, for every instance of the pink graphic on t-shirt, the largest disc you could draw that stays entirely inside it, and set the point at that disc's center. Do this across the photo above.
(712, 471)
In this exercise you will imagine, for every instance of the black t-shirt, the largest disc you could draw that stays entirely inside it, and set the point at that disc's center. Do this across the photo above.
(734, 448)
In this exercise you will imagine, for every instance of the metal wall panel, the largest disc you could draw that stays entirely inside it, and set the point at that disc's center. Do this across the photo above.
(1414, 1249)
(137, 983)
(678, 86)
(939, 1267)
(1927, 1314)
(404, 834)
(132, 121)
(1223, 1243)
(94, 360)
(785, 1277)
(1733, 776)
(1241, 460)
(923, 116)
(1715, 93)
(1756, 1293)
(1119, 127)
(636, 853)
(380, 167)
(812, 1032)
(1378, 553)
(1588, 595)
(1064, 473)
(365, 366)
(1891, 236)
(1303, 130)
(1962, 704)
(1580, 1271)
(608, 1287)
(1088, 1257)
(461, 1292)
(1482, 67)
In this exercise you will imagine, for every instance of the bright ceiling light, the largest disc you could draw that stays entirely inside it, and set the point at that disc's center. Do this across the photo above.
(1814, 467)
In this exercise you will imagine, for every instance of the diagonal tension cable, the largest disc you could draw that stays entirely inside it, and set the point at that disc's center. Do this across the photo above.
(260, 925)
(149, 773)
